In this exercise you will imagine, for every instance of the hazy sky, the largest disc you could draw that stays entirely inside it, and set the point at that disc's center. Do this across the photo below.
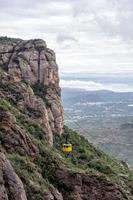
(87, 35)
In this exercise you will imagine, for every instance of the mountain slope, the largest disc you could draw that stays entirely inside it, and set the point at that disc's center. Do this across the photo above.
(39, 167)
(33, 63)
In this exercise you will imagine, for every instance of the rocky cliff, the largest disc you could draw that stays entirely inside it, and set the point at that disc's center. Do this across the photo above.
(32, 165)
(35, 64)
(11, 186)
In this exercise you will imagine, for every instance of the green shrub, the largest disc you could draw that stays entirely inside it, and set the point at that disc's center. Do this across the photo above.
(31, 127)
(40, 89)
(100, 166)
(7, 106)
(86, 156)
(4, 67)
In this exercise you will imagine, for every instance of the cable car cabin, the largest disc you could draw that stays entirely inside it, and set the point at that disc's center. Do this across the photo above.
(67, 148)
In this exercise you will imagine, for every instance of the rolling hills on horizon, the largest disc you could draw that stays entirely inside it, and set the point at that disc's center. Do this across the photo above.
(103, 117)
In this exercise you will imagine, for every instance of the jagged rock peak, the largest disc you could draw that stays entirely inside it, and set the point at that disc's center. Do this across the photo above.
(30, 61)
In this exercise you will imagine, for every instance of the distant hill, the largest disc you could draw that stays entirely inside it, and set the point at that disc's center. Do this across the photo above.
(127, 126)
(81, 95)
(103, 117)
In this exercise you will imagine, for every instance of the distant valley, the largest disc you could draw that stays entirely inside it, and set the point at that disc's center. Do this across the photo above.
(104, 117)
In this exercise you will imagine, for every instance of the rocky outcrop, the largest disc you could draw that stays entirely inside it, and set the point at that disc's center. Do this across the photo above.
(30, 115)
(13, 138)
(11, 187)
(81, 186)
(22, 96)
(32, 62)
(53, 194)
(29, 60)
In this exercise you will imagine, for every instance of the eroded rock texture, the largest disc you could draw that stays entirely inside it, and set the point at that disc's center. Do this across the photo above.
(29, 88)
(11, 187)
(53, 194)
(13, 138)
(33, 63)
(81, 186)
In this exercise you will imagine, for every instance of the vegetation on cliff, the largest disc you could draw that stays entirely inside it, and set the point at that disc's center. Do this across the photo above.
(38, 173)
(30, 124)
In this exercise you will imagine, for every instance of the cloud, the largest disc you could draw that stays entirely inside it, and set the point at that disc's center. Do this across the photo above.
(87, 35)
(64, 37)
(117, 19)
(66, 40)
(94, 86)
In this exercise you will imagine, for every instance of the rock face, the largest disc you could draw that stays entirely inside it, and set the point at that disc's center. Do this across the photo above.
(11, 187)
(30, 60)
(13, 138)
(35, 64)
(53, 194)
(22, 95)
(30, 115)
(85, 186)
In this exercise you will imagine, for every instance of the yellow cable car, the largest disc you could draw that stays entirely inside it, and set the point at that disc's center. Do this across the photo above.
(67, 148)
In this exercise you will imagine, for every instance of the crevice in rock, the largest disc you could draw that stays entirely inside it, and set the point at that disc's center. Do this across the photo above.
(10, 57)
(39, 55)
(4, 52)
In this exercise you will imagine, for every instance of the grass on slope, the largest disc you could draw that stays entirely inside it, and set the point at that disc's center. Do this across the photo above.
(39, 173)
(35, 185)
(86, 157)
